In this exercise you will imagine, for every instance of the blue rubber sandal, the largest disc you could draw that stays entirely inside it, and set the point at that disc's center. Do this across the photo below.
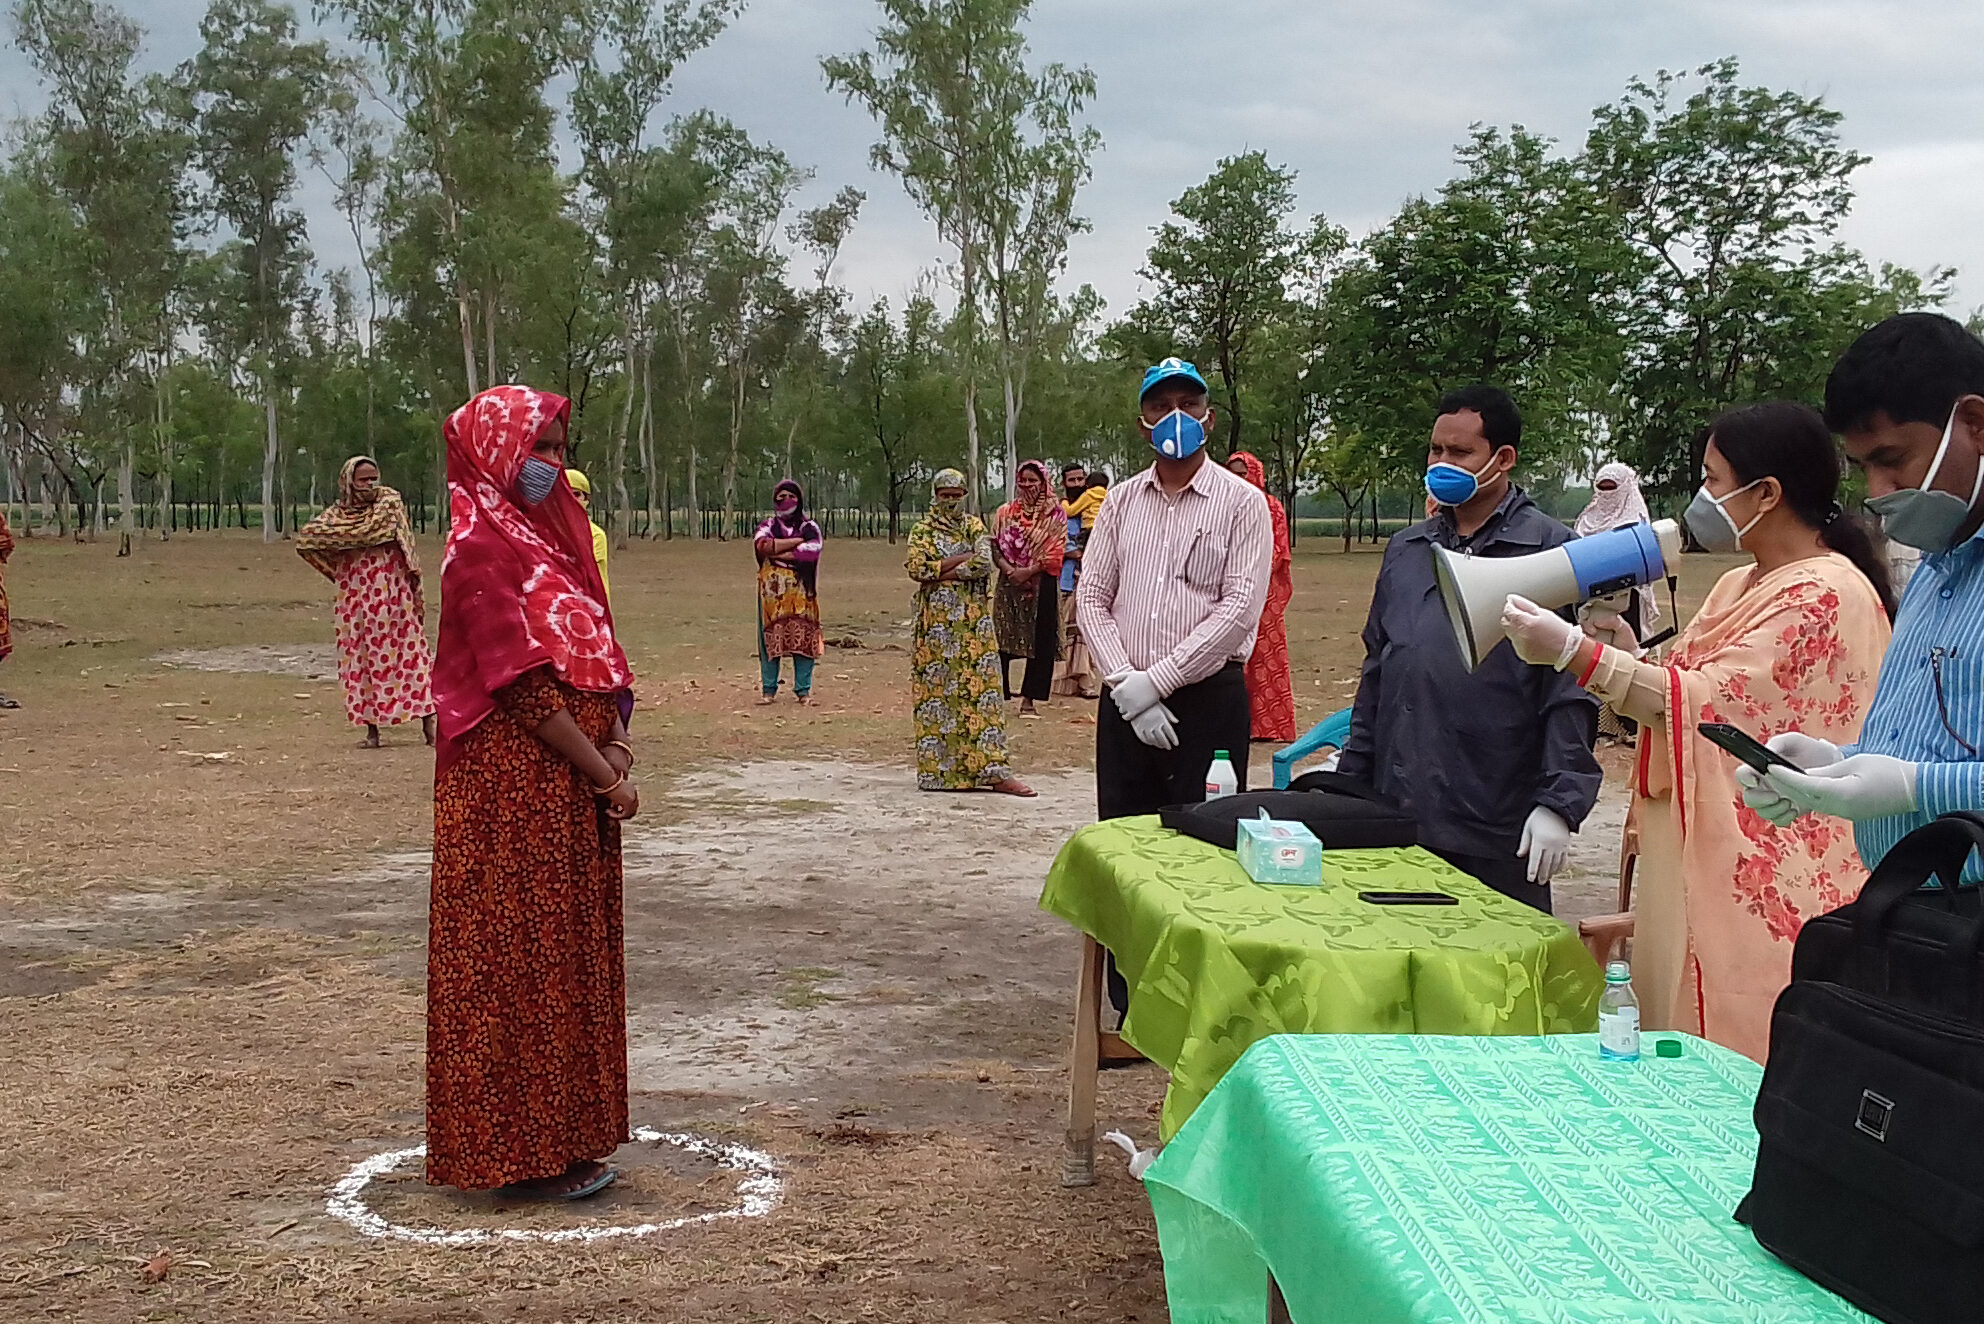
(606, 1177)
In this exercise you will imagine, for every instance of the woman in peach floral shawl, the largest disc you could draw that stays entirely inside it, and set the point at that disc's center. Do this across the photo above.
(1791, 643)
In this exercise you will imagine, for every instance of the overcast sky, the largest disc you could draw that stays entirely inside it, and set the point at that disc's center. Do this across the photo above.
(1364, 100)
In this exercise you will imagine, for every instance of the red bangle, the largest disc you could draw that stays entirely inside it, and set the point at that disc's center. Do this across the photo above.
(1597, 651)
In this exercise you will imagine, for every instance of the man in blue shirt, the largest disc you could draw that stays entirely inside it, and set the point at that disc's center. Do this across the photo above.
(1908, 399)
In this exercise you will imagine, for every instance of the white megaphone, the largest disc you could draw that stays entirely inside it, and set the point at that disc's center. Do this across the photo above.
(1476, 587)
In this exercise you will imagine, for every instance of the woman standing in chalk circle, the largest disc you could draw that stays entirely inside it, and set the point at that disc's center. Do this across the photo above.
(1791, 642)
(526, 973)
(788, 546)
(956, 697)
(364, 545)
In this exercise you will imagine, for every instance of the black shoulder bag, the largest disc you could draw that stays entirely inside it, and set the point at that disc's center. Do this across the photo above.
(1870, 1120)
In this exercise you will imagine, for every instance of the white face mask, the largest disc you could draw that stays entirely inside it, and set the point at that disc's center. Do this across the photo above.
(1927, 518)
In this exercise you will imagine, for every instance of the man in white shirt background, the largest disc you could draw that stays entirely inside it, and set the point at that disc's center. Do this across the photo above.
(1172, 583)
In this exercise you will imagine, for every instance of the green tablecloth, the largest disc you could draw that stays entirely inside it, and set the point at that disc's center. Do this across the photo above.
(1436, 1180)
(1216, 961)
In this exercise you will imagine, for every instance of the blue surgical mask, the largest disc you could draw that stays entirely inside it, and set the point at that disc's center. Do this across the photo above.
(1177, 436)
(536, 479)
(1451, 485)
(1711, 523)
(1927, 518)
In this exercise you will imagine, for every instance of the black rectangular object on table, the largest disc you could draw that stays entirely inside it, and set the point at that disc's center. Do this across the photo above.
(1870, 1162)
(1344, 812)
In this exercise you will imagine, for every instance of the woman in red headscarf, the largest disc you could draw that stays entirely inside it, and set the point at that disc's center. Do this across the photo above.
(526, 976)
(1270, 686)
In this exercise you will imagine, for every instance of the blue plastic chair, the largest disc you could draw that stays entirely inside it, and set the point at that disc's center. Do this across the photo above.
(1331, 732)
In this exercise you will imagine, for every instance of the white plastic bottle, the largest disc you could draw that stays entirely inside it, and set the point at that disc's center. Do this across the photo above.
(1221, 780)
(1619, 1016)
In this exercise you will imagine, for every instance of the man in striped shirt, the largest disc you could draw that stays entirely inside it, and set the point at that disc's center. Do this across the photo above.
(1170, 595)
(1908, 398)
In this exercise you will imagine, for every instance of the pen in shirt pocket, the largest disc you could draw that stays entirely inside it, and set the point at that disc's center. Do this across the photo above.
(1936, 658)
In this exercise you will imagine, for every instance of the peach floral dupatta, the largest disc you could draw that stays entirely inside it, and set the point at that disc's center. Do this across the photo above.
(1797, 649)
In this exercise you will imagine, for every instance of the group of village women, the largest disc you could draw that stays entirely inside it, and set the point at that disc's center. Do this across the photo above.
(527, 700)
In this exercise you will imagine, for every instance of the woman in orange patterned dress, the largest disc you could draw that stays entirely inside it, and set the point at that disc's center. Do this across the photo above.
(526, 972)
(1270, 683)
(364, 545)
(1792, 642)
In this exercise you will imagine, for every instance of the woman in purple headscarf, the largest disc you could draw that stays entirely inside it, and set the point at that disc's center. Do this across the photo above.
(788, 547)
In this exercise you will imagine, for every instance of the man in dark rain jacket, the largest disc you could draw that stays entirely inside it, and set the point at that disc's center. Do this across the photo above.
(1496, 763)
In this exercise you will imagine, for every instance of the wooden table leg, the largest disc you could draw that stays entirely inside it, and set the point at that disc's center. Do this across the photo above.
(1277, 1307)
(1078, 1167)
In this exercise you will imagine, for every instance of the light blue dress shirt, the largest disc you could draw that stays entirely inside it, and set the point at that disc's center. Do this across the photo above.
(1930, 697)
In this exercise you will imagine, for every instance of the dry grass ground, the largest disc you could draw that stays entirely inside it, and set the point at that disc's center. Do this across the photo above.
(211, 957)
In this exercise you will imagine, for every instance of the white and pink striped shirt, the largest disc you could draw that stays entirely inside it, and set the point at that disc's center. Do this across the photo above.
(1173, 584)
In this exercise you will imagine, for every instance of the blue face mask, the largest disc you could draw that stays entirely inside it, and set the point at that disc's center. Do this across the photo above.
(1451, 485)
(536, 479)
(1177, 436)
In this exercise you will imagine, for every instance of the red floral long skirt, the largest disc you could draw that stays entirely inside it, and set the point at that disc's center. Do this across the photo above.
(526, 964)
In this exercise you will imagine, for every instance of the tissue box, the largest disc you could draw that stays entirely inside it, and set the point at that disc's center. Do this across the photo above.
(1275, 851)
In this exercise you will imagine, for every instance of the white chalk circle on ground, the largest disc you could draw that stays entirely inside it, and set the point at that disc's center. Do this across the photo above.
(758, 1193)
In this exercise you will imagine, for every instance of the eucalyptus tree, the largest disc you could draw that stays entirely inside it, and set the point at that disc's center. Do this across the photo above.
(257, 91)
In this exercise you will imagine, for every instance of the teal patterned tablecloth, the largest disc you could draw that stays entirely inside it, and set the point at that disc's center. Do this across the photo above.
(1449, 1180)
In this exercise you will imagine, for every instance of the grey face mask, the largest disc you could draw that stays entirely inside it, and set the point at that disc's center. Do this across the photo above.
(536, 479)
(1927, 518)
(1711, 524)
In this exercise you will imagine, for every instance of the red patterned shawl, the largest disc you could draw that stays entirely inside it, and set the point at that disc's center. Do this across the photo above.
(519, 587)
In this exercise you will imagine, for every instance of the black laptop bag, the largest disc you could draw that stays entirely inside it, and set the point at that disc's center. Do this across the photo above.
(1870, 1120)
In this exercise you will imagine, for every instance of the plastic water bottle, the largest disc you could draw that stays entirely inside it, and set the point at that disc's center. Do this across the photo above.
(1619, 1016)
(1221, 780)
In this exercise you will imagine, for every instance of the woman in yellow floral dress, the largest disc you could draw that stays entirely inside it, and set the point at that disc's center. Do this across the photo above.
(958, 696)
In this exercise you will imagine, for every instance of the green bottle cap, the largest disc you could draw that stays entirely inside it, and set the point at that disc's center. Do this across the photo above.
(1219, 754)
(1667, 1048)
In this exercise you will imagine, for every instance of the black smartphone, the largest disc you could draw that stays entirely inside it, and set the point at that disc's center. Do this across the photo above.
(1408, 898)
(1745, 747)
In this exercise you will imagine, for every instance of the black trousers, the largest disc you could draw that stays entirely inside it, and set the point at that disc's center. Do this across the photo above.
(1037, 681)
(1507, 874)
(1134, 778)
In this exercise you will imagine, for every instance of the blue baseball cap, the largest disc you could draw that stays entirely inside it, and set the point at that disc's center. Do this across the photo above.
(1166, 370)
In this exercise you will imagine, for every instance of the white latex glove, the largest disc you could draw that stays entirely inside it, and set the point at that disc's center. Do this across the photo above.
(1604, 623)
(1540, 638)
(1546, 843)
(1856, 789)
(1808, 752)
(1133, 692)
(1156, 727)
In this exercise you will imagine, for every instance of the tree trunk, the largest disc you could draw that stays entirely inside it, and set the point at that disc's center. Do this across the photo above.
(127, 492)
(616, 476)
(695, 506)
(738, 378)
(968, 266)
(648, 447)
(1012, 432)
(270, 443)
(468, 337)
(489, 337)
(162, 412)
